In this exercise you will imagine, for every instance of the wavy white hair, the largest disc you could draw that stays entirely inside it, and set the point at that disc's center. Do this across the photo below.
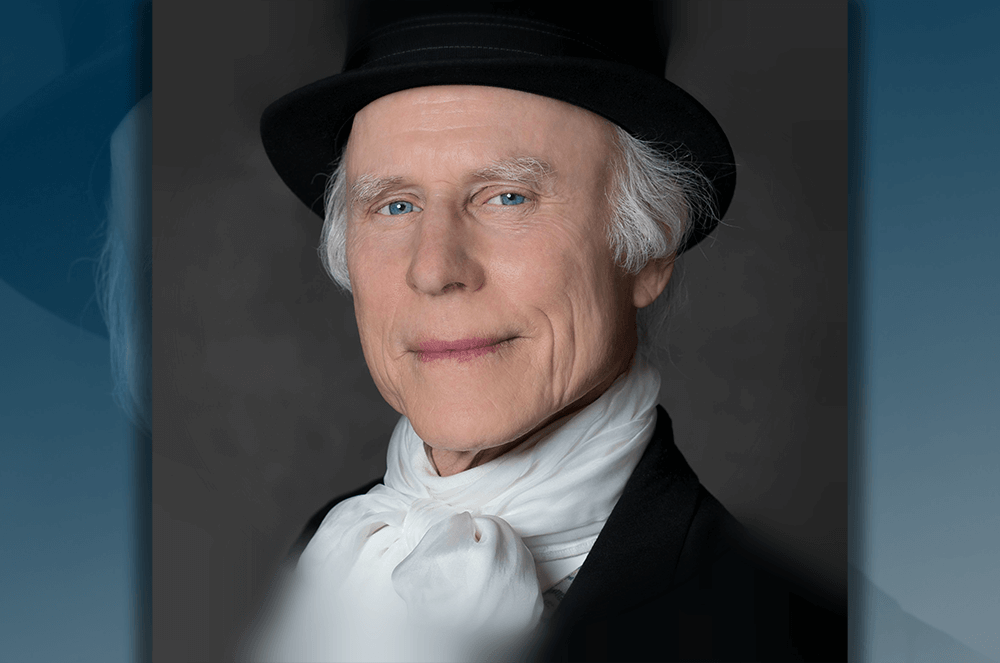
(125, 267)
(653, 197)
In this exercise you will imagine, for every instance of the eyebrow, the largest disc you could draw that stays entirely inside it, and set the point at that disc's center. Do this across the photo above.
(367, 188)
(527, 170)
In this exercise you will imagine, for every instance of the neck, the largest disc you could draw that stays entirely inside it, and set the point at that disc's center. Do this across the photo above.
(448, 463)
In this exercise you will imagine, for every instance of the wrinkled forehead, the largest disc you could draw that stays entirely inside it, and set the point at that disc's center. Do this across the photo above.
(474, 125)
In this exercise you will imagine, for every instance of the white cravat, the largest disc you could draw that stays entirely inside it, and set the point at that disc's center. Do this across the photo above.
(427, 567)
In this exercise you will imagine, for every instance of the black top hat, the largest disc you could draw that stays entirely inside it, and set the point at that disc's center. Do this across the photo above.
(55, 160)
(609, 63)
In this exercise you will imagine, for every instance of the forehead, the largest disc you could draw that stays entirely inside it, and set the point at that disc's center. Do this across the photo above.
(468, 126)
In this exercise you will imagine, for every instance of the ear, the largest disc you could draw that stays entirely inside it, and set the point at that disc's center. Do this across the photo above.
(651, 280)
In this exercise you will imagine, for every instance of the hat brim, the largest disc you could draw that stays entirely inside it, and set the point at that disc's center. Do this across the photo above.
(304, 132)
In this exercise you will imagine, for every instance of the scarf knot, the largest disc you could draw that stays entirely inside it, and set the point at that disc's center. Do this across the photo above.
(423, 514)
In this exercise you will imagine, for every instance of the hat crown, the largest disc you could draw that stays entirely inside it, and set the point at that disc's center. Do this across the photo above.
(93, 28)
(390, 32)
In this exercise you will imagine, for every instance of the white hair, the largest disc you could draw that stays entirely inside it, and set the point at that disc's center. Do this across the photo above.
(653, 197)
(125, 267)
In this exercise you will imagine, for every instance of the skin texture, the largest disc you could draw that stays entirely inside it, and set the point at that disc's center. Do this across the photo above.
(436, 285)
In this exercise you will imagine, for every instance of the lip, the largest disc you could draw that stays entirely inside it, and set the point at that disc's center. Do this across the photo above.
(459, 350)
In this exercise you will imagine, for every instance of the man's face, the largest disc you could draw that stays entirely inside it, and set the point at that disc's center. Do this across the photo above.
(487, 298)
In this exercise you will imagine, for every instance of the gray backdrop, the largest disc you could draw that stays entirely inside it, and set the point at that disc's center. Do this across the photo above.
(263, 406)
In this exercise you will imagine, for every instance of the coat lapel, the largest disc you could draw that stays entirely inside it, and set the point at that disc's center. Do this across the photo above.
(639, 548)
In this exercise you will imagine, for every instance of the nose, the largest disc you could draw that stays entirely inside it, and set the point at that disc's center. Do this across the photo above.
(443, 255)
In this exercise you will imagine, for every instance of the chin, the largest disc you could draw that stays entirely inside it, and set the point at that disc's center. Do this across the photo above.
(469, 428)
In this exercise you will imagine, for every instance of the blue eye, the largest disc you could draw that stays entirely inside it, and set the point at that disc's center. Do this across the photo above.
(399, 207)
(507, 199)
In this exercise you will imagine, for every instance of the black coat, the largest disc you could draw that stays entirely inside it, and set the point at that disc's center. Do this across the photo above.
(674, 577)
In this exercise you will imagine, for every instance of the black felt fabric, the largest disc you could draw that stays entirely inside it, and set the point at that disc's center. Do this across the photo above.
(674, 577)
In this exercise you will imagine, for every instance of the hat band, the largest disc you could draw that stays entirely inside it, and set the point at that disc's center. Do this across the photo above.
(454, 37)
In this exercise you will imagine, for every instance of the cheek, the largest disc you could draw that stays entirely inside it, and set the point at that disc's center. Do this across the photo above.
(374, 279)
(374, 305)
(571, 281)
(367, 319)
(377, 348)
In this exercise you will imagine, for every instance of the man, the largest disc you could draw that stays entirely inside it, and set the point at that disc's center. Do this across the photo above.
(500, 213)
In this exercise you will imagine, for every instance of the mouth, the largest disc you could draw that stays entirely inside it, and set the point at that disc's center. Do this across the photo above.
(461, 350)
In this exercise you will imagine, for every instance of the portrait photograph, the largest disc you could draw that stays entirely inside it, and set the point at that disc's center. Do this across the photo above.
(496, 331)
(446, 330)
(460, 330)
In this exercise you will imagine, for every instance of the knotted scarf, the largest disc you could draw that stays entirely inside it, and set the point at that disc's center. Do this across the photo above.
(427, 567)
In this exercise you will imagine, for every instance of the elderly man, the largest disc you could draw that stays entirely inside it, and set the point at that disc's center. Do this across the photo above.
(508, 195)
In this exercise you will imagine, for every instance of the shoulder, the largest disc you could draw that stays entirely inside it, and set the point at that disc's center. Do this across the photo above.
(317, 519)
(726, 599)
(674, 576)
(738, 599)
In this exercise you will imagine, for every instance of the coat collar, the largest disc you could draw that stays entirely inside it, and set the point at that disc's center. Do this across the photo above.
(639, 548)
